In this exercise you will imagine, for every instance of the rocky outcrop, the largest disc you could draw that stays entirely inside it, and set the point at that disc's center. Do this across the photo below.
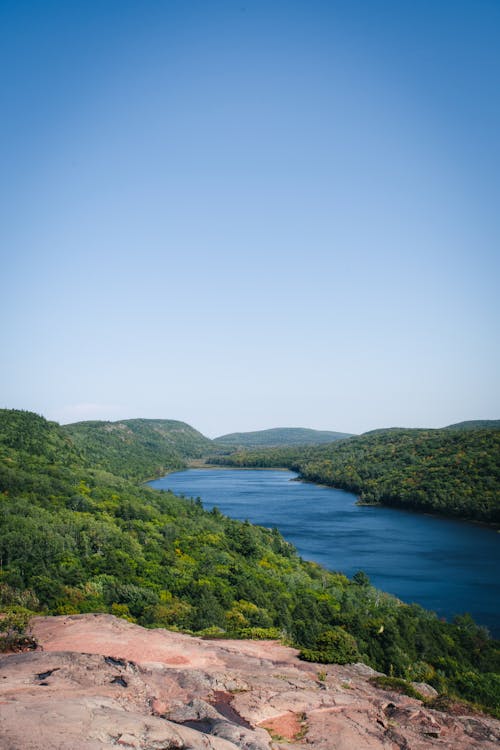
(98, 682)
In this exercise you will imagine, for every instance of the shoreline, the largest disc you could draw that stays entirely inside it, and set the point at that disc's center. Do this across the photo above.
(197, 465)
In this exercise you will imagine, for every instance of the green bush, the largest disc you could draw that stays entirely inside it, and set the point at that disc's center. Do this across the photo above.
(334, 646)
(13, 624)
(261, 634)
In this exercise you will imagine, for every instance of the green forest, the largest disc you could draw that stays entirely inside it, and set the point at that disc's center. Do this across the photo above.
(453, 471)
(77, 536)
(137, 448)
(279, 436)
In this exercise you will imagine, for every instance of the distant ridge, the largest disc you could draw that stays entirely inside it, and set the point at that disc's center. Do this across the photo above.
(475, 424)
(280, 436)
(472, 424)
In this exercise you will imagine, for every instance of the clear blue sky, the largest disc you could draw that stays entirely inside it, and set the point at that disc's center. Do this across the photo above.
(251, 214)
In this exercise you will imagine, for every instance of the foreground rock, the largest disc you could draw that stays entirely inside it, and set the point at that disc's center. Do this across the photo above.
(100, 682)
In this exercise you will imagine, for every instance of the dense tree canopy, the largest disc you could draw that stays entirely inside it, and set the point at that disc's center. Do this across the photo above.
(279, 436)
(137, 448)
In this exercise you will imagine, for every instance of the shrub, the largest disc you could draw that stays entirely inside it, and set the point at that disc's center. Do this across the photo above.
(261, 634)
(13, 624)
(334, 646)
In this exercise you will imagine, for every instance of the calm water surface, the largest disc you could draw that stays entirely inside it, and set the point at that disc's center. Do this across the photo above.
(447, 566)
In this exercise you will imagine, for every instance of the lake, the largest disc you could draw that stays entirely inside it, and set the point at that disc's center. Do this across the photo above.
(445, 565)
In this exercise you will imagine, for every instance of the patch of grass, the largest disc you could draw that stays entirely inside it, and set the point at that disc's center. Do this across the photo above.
(304, 728)
(274, 736)
(458, 707)
(398, 685)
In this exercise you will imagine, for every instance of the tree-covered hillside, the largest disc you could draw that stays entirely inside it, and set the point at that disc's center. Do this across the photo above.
(476, 424)
(137, 448)
(279, 436)
(455, 472)
(79, 539)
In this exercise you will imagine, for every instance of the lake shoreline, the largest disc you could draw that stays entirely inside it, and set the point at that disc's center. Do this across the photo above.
(390, 506)
(447, 567)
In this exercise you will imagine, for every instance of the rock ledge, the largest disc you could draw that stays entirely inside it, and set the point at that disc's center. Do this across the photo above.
(99, 682)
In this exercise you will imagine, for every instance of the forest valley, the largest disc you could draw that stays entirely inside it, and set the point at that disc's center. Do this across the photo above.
(79, 533)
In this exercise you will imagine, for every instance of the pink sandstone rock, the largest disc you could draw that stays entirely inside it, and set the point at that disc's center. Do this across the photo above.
(98, 682)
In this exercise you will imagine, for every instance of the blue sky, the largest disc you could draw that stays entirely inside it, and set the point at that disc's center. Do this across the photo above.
(251, 214)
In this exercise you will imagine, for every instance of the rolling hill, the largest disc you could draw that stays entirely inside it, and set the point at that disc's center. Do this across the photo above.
(137, 448)
(280, 436)
(476, 424)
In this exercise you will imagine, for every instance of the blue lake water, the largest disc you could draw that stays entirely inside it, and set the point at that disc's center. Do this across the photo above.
(447, 566)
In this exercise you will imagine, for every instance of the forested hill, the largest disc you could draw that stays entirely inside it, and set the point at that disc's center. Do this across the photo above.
(450, 471)
(137, 448)
(476, 424)
(78, 539)
(279, 436)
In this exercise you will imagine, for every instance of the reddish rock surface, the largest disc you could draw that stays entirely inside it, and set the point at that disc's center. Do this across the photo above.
(99, 682)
